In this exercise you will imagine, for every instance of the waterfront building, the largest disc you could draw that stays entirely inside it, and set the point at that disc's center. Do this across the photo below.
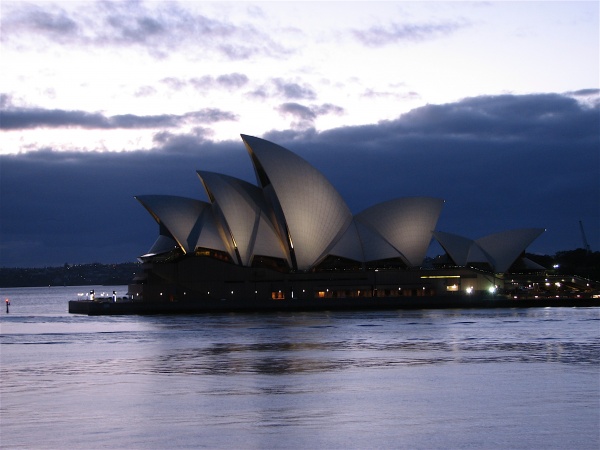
(292, 236)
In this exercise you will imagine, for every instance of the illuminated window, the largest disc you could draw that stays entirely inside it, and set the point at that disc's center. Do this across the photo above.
(277, 295)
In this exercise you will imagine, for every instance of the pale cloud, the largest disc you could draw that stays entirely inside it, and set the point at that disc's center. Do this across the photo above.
(160, 28)
(124, 64)
(283, 88)
(377, 35)
(230, 81)
(145, 91)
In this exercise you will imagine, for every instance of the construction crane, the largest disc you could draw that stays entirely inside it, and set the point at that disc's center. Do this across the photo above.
(585, 242)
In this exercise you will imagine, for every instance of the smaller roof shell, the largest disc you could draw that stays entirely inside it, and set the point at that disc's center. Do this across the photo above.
(499, 250)
(405, 224)
(244, 211)
(505, 247)
(190, 222)
(456, 246)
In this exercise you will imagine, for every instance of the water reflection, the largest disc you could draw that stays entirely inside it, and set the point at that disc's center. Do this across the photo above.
(412, 379)
(316, 357)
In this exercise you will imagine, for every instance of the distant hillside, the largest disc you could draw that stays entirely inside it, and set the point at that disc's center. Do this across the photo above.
(69, 275)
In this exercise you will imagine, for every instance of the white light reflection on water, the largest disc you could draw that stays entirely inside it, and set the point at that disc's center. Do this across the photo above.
(511, 378)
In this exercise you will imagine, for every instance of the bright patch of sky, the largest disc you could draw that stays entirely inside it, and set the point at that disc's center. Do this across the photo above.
(116, 76)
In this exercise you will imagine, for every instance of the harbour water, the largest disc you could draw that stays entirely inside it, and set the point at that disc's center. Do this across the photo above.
(448, 379)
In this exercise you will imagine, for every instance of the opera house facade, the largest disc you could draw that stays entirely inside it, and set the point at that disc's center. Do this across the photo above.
(292, 239)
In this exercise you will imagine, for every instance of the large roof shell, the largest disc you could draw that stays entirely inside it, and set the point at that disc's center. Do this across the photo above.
(190, 222)
(315, 214)
(406, 224)
(244, 210)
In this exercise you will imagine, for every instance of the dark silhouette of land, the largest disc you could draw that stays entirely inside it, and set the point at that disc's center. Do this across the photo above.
(69, 275)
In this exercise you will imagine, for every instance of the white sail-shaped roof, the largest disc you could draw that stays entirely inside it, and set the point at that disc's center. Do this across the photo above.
(163, 244)
(244, 210)
(505, 247)
(190, 222)
(478, 255)
(296, 215)
(375, 246)
(456, 246)
(314, 212)
(349, 245)
(499, 250)
(405, 223)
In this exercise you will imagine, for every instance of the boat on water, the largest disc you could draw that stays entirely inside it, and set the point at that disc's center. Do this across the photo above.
(290, 242)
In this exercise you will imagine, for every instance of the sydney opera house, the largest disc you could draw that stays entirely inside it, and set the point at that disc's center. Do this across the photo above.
(292, 239)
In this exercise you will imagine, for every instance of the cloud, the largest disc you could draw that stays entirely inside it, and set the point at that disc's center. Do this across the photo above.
(231, 81)
(371, 93)
(305, 115)
(293, 91)
(14, 118)
(286, 89)
(589, 97)
(145, 91)
(159, 28)
(54, 23)
(379, 36)
(174, 83)
(181, 142)
(503, 117)
(500, 162)
(584, 92)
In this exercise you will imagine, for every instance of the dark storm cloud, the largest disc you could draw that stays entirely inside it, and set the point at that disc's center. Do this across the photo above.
(77, 207)
(13, 118)
(379, 36)
(500, 163)
(503, 117)
(159, 30)
(584, 92)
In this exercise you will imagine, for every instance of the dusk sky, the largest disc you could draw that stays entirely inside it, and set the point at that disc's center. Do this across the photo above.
(492, 106)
